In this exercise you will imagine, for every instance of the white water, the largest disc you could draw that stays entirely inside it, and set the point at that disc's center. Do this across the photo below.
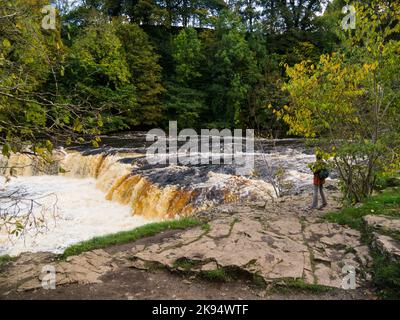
(74, 210)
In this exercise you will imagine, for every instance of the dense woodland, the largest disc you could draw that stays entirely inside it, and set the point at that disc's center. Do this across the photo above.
(127, 64)
(280, 67)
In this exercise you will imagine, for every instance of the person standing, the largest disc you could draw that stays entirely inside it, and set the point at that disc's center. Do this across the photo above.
(320, 171)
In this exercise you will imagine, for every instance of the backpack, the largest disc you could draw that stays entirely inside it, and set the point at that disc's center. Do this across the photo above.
(324, 173)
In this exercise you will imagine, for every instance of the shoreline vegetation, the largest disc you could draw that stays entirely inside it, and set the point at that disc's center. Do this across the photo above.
(385, 270)
(123, 237)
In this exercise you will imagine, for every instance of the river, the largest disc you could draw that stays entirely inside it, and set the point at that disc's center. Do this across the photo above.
(113, 189)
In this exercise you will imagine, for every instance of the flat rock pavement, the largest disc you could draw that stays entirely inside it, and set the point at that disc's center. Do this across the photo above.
(273, 246)
(275, 242)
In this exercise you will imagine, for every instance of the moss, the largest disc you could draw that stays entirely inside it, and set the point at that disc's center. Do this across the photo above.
(259, 281)
(386, 275)
(219, 274)
(4, 260)
(186, 264)
(299, 285)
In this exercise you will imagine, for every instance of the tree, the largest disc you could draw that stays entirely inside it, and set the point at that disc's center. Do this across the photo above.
(184, 101)
(97, 69)
(283, 16)
(350, 100)
(187, 53)
(249, 10)
(31, 67)
(34, 114)
(145, 73)
(233, 69)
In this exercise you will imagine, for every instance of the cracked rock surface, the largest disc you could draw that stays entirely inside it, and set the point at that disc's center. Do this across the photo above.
(387, 245)
(28, 272)
(385, 228)
(270, 245)
(275, 242)
(383, 222)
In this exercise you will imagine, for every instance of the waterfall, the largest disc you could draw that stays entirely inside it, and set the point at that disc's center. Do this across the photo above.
(126, 183)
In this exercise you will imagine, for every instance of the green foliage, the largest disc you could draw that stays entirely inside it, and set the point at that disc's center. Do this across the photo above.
(145, 74)
(299, 285)
(386, 203)
(28, 56)
(136, 64)
(359, 87)
(219, 274)
(386, 276)
(185, 264)
(185, 105)
(233, 72)
(98, 70)
(187, 53)
(4, 260)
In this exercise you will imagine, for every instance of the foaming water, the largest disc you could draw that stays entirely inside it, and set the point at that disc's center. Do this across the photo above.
(96, 192)
(73, 209)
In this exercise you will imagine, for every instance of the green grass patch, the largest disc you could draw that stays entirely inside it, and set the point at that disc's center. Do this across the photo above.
(299, 285)
(385, 271)
(385, 203)
(129, 236)
(206, 227)
(259, 281)
(219, 274)
(383, 183)
(386, 275)
(4, 260)
(185, 264)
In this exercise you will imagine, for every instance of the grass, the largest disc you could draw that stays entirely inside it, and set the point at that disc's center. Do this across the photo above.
(185, 264)
(299, 285)
(386, 275)
(4, 260)
(206, 227)
(383, 183)
(129, 236)
(219, 274)
(385, 203)
(385, 271)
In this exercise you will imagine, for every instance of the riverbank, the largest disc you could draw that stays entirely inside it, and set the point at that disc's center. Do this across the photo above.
(378, 220)
(247, 251)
